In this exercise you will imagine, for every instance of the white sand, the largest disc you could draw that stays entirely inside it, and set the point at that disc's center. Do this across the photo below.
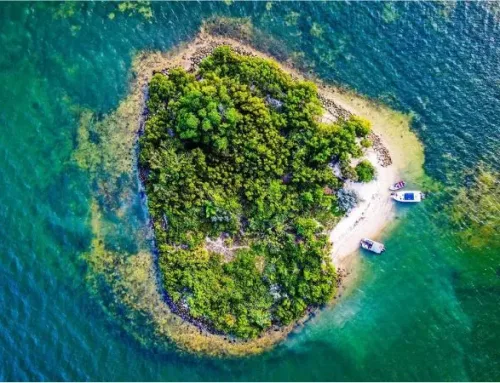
(375, 210)
(369, 218)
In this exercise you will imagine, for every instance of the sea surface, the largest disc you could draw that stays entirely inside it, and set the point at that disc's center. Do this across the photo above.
(428, 309)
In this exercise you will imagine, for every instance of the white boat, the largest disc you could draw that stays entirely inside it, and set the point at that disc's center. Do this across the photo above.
(397, 186)
(373, 246)
(408, 196)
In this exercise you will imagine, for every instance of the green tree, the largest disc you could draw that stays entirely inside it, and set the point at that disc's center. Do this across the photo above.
(235, 151)
(365, 171)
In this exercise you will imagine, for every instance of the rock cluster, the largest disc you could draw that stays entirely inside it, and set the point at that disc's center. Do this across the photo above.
(383, 157)
(342, 273)
(336, 111)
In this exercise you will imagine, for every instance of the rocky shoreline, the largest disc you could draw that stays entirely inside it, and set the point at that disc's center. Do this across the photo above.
(335, 110)
(383, 157)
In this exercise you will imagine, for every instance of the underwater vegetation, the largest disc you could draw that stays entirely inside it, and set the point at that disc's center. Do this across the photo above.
(475, 210)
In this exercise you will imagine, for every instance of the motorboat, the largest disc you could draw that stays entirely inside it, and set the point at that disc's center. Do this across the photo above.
(373, 246)
(408, 196)
(397, 186)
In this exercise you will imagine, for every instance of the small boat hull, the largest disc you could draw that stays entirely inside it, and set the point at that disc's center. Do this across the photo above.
(373, 246)
(408, 196)
(397, 186)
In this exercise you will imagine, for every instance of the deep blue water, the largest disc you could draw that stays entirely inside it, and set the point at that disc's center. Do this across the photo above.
(428, 312)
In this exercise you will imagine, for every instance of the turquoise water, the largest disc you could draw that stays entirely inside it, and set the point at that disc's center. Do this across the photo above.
(428, 310)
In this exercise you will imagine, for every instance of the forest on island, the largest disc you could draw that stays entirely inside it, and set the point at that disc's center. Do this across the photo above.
(237, 166)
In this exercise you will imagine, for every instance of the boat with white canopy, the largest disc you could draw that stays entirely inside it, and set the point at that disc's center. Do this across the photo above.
(373, 246)
(408, 196)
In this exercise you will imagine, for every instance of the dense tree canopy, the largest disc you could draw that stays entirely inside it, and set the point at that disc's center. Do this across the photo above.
(365, 171)
(236, 152)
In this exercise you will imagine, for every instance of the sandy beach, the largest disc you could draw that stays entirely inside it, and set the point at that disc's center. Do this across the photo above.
(374, 211)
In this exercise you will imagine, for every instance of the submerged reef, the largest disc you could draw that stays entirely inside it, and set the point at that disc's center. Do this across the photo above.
(475, 210)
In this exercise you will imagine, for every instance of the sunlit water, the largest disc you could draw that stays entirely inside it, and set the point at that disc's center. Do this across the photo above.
(426, 310)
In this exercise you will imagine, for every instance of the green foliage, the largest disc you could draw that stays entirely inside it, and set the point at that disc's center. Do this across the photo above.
(360, 126)
(366, 143)
(237, 149)
(365, 171)
(232, 296)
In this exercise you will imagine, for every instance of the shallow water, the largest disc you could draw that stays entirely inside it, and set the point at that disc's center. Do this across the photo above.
(427, 310)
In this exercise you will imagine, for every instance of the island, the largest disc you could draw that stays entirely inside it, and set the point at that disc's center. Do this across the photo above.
(238, 168)
(239, 189)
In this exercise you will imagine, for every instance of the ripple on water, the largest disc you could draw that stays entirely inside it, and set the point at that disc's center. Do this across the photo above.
(427, 310)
